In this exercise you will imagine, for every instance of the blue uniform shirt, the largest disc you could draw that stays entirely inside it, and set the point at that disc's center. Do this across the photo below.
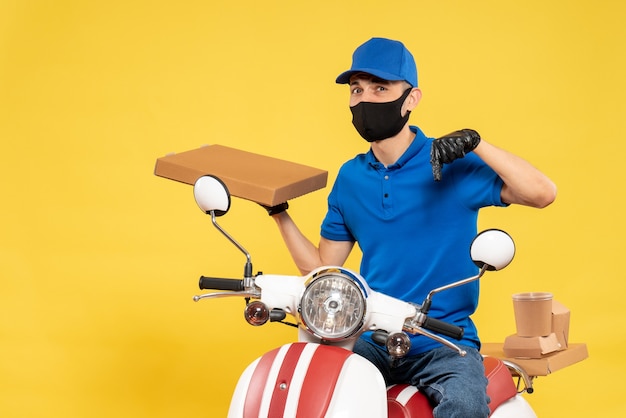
(414, 232)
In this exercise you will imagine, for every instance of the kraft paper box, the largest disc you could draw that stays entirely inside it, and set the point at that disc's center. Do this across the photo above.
(544, 366)
(530, 347)
(266, 180)
(560, 323)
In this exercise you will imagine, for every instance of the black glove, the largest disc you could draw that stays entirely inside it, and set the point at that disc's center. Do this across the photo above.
(449, 147)
(275, 210)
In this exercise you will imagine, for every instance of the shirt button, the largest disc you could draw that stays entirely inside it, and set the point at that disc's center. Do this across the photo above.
(386, 177)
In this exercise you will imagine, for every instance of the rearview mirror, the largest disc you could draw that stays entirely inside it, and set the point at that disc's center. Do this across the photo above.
(493, 249)
(211, 195)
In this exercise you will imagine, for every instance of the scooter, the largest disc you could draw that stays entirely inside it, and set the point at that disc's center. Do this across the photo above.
(320, 376)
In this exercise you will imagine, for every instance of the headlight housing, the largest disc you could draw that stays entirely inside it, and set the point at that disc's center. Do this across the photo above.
(333, 304)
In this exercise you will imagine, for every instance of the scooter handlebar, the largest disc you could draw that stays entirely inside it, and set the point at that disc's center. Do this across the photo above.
(217, 283)
(443, 328)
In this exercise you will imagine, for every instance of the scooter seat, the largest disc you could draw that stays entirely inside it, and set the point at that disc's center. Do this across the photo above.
(406, 401)
(501, 387)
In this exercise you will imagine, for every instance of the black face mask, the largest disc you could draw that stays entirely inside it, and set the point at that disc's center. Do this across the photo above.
(377, 121)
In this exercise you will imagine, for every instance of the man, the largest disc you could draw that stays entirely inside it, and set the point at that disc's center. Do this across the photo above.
(411, 203)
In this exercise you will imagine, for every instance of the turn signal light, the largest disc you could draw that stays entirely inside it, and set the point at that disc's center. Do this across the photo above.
(398, 344)
(256, 313)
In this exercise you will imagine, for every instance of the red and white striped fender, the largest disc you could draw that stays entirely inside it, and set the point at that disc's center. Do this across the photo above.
(309, 380)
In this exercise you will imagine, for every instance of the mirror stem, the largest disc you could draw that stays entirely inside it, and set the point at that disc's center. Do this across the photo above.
(428, 301)
(248, 268)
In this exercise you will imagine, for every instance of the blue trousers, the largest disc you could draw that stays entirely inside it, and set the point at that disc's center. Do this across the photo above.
(456, 385)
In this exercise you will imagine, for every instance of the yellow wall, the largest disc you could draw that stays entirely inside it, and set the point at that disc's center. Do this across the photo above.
(99, 258)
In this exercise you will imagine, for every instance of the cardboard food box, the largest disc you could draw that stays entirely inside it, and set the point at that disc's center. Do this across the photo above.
(560, 323)
(542, 366)
(530, 347)
(266, 180)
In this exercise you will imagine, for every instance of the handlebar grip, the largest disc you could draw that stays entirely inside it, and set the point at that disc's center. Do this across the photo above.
(443, 328)
(220, 284)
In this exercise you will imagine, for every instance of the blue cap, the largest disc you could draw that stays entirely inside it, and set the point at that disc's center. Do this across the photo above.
(383, 58)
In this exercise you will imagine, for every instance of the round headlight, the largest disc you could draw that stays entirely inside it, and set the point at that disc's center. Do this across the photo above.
(332, 305)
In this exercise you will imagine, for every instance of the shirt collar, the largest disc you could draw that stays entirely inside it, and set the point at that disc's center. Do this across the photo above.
(414, 148)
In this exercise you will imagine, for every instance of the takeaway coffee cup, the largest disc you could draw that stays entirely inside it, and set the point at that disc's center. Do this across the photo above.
(533, 313)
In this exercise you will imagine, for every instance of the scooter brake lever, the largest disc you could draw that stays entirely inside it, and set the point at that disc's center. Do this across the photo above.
(215, 295)
(422, 331)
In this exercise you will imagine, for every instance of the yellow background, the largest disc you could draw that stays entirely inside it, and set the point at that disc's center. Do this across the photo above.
(99, 258)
